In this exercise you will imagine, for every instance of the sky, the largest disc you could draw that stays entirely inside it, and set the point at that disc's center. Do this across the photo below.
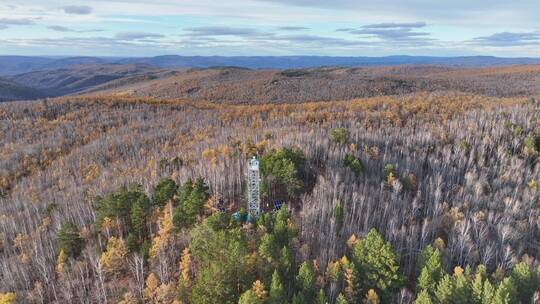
(135, 28)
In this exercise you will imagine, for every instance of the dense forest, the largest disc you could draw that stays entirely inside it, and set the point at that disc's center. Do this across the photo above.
(413, 198)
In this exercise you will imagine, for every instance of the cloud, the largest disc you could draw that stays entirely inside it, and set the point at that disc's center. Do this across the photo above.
(64, 29)
(393, 25)
(322, 41)
(507, 39)
(59, 28)
(137, 36)
(404, 33)
(293, 28)
(77, 10)
(345, 29)
(221, 31)
(12, 21)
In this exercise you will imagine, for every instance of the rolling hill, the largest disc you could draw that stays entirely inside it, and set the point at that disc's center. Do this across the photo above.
(10, 90)
(79, 78)
(236, 85)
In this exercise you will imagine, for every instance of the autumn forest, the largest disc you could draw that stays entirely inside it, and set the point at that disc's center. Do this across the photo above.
(424, 195)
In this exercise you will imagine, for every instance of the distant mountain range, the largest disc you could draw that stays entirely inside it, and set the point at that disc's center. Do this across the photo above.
(13, 65)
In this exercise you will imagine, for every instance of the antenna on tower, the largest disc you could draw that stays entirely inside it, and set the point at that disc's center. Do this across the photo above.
(253, 187)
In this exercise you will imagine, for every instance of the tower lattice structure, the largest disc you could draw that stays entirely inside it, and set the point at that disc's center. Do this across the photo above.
(253, 187)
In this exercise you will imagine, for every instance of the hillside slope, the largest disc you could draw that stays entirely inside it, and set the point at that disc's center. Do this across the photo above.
(81, 77)
(10, 90)
(235, 85)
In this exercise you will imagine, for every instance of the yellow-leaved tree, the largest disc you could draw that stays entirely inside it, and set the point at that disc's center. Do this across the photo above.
(113, 259)
(8, 298)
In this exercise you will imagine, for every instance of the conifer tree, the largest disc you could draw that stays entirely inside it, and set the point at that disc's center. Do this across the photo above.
(431, 271)
(164, 191)
(249, 297)
(506, 292)
(477, 285)
(377, 266)
(69, 240)
(277, 293)
(341, 299)
(306, 282)
(321, 297)
(113, 259)
(423, 297)
(462, 290)
(445, 290)
(526, 281)
(488, 292)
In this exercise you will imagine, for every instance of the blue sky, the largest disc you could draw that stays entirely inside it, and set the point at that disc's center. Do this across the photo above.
(270, 27)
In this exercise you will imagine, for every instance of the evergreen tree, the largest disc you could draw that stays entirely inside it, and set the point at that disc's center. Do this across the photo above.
(445, 290)
(249, 297)
(321, 297)
(462, 289)
(193, 196)
(488, 292)
(69, 240)
(432, 270)
(506, 293)
(284, 173)
(478, 284)
(526, 282)
(306, 282)
(277, 293)
(423, 298)
(341, 299)
(139, 214)
(164, 191)
(377, 266)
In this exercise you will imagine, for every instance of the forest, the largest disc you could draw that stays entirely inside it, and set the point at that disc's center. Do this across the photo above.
(421, 197)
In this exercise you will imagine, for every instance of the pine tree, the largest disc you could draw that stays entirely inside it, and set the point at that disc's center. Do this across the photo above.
(249, 297)
(445, 290)
(462, 289)
(377, 266)
(431, 271)
(139, 214)
(506, 293)
(525, 281)
(423, 298)
(69, 240)
(341, 299)
(164, 191)
(277, 293)
(321, 297)
(488, 292)
(306, 282)
(478, 284)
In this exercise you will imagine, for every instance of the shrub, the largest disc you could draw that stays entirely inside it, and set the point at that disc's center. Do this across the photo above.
(353, 163)
(340, 135)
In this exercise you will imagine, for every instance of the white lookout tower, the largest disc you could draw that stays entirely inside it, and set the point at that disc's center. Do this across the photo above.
(253, 187)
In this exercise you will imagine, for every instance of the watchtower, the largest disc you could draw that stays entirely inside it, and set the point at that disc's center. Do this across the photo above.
(253, 187)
